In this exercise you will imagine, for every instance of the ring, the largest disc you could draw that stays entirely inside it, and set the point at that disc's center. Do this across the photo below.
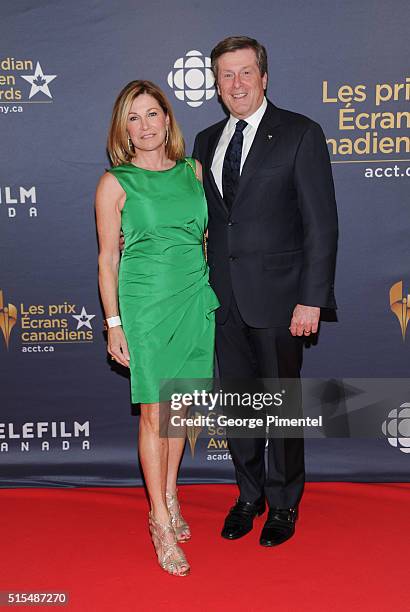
(112, 358)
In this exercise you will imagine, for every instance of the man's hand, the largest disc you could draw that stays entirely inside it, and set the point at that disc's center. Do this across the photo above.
(305, 320)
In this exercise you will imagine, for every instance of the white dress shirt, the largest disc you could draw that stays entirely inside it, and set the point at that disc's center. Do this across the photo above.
(248, 135)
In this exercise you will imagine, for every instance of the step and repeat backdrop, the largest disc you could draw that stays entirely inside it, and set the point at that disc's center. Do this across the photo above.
(65, 414)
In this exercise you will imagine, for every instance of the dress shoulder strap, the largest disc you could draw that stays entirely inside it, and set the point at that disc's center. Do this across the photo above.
(191, 163)
(121, 173)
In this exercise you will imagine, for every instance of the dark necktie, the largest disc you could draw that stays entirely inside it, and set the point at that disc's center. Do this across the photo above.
(232, 164)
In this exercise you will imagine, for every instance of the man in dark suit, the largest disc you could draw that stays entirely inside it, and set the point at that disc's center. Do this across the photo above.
(272, 239)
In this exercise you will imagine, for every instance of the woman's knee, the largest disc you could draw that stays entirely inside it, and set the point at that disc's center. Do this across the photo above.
(154, 417)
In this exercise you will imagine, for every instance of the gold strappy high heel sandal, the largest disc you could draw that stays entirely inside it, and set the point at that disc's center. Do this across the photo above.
(181, 527)
(170, 556)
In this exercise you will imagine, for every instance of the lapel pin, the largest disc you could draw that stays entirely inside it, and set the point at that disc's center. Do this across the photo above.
(269, 136)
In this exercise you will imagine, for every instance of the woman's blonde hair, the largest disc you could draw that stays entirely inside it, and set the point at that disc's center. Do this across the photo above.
(118, 146)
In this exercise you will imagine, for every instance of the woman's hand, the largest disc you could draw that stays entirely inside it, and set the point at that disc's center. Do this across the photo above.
(117, 346)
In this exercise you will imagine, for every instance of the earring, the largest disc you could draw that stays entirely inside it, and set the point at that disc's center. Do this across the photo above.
(166, 136)
(130, 145)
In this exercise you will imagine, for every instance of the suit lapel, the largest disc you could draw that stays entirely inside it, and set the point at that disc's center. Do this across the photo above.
(213, 143)
(263, 143)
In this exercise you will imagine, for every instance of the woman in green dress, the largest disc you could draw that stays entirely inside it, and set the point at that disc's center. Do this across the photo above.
(158, 303)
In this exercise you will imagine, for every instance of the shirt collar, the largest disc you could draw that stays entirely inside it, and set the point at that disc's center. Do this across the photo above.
(253, 120)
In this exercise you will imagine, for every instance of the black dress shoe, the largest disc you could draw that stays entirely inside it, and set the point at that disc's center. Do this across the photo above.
(239, 521)
(279, 526)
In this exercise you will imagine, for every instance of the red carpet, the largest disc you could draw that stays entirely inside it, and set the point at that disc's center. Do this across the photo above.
(350, 551)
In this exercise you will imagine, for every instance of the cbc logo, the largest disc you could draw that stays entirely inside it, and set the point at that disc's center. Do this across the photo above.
(397, 428)
(191, 79)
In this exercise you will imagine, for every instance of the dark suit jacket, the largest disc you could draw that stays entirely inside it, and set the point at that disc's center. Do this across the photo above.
(277, 246)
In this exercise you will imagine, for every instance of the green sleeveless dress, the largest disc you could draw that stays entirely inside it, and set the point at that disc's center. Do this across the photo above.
(166, 303)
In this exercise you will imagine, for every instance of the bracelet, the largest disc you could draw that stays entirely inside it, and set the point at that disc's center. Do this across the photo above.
(113, 321)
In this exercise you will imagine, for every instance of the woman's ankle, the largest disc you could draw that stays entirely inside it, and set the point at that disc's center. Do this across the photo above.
(160, 514)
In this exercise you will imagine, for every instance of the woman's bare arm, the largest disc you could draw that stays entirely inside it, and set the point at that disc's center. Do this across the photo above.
(200, 178)
(108, 201)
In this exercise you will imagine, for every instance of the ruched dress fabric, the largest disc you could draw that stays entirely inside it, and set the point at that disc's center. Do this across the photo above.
(166, 303)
